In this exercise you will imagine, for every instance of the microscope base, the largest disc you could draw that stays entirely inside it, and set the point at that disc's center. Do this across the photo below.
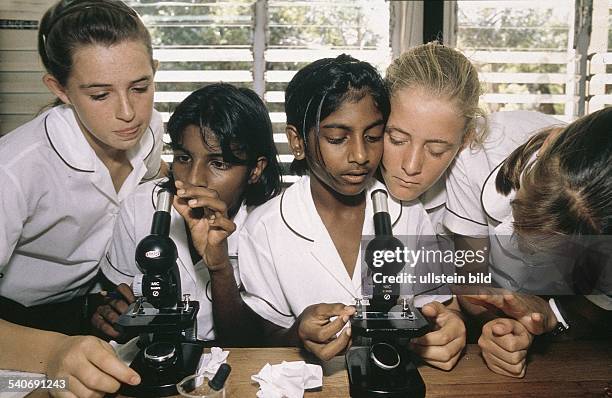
(161, 381)
(367, 380)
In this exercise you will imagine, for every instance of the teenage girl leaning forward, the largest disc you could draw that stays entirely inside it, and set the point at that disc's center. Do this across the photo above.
(63, 177)
(436, 133)
(300, 251)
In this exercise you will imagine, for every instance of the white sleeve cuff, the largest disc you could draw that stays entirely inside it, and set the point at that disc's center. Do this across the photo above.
(555, 310)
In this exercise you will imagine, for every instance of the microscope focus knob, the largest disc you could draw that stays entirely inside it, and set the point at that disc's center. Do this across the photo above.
(385, 356)
(160, 354)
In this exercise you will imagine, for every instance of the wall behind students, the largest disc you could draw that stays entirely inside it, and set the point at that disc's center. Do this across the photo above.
(22, 91)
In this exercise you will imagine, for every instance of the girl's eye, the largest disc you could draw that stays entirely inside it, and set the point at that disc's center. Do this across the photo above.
(335, 141)
(396, 141)
(99, 97)
(141, 89)
(220, 165)
(182, 158)
(373, 138)
(437, 152)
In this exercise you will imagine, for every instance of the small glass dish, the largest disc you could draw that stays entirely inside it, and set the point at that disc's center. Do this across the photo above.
(196, 386)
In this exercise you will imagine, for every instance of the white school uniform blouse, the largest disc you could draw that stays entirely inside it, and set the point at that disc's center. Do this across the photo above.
(472, 167)
(475, 208)
(434, 201)
(58, 205)
(134, 223)
(288, 260)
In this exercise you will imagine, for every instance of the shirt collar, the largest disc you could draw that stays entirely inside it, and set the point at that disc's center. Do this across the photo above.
(144, 149)
(67, 140)
(70, 144)
(436, 195)
(299, 213)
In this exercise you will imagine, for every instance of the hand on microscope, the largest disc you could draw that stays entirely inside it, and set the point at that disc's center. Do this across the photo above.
(209, 225)
(443, 346)
(319, 333)
(116, 303)
(504, 343)
(90, 365)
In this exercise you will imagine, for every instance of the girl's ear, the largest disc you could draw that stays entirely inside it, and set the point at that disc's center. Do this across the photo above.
(56, 88)
(296, 143)
(258, 170)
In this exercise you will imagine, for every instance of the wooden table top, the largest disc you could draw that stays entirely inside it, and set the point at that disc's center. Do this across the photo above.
(567, 369)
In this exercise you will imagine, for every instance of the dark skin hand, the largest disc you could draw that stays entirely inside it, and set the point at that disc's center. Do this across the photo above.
(318, 332)
(116, 303)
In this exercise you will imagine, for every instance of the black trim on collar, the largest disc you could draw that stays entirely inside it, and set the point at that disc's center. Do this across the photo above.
(155, 190)
(58, 154)
(153, 197)
(496, 169)
(154, 177)
(152, 146)
(149, 154)
(287, 224)
(465, 218)
(401, 205)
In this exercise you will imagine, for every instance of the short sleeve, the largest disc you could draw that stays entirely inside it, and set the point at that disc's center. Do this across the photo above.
(13, 213)
(262, 289)
(119, 263)
(153, 161)
(464, 215)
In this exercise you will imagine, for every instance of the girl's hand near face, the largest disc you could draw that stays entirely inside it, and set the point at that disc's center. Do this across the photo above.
(206, 217)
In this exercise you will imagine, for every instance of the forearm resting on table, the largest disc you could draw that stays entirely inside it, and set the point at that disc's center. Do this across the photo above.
(235, 323)
(26, 349)
(277, 336)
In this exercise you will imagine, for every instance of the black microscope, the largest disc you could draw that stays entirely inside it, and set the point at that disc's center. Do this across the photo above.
(164, 320)
(379, 364)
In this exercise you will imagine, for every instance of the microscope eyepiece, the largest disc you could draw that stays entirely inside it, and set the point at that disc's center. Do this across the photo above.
(379, 201)
(156, 256)
(164, 200)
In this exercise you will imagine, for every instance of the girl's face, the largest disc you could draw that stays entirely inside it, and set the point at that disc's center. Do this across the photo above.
(111, 90)
(203, 166)
(422, 137)
(350, 140)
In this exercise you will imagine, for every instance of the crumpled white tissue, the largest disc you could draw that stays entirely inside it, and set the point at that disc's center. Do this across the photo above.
(126, 352)
(288, 379)
(210, 362)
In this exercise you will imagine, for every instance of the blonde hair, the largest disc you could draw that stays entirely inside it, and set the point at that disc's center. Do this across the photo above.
(443, 72)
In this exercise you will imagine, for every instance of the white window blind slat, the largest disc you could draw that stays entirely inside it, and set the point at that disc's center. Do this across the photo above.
(203, 55)
(204, 76)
